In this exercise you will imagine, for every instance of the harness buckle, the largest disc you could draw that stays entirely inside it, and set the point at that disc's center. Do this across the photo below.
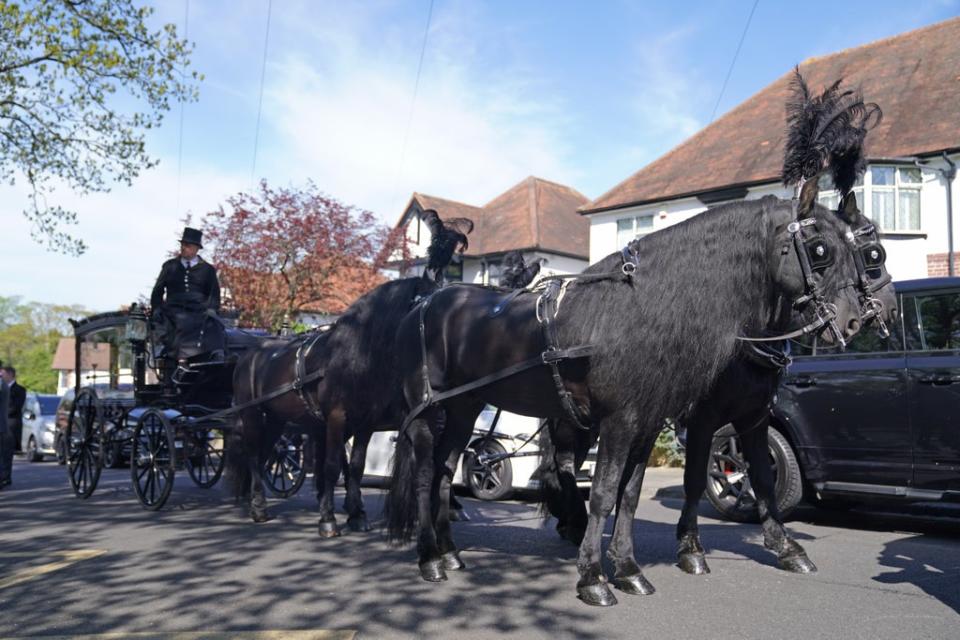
(551, 355)
(629, 268)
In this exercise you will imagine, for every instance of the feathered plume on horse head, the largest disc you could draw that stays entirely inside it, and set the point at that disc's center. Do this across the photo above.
(446, 238)
(516, 273)
(826, 130)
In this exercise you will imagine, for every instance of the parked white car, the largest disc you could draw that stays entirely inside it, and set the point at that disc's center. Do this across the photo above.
(494, 464)
(39, 425)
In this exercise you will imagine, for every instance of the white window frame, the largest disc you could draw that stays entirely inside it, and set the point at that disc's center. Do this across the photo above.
(865, 189)
(635, 227)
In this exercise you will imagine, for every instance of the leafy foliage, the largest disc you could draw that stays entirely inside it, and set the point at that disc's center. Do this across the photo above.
(667, 451)
(286, 250)
(62, 65)
(29, 333)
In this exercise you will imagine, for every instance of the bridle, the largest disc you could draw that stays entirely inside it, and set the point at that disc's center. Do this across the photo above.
(869, 259)
(814, 256)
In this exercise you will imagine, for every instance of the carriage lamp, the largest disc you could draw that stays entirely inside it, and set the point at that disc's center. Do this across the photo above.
(137, 325)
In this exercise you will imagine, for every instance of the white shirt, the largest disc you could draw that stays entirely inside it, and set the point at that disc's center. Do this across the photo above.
(190, 263)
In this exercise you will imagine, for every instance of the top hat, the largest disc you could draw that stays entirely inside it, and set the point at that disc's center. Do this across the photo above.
(192, 236)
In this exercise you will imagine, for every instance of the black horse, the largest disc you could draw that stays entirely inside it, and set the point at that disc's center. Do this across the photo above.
(352, 392)
(661, 333)
(745, 390)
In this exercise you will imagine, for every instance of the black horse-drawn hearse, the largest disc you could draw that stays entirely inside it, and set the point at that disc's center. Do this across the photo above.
(163, 415)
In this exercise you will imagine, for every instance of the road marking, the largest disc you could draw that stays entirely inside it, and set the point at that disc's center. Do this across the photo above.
(306, 634)
(69, 558)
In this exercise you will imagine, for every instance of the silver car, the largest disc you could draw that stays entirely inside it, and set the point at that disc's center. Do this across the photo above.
(39, 425)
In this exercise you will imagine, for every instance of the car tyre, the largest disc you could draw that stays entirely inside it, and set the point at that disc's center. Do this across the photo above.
(32, 454)
(728, 485)
(492, 481)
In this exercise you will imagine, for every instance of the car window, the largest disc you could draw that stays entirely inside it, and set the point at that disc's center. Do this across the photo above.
(932, 321)
(866, 341)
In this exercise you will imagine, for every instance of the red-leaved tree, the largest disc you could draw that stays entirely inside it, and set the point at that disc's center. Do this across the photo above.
(284, 250)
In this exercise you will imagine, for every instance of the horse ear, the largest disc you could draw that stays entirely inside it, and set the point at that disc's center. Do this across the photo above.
(849, 209)
(808, 196)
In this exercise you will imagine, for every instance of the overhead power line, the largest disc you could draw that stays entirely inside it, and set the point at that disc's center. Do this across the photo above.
(263, 75)
(186, 35)
(413, 101)
(733, 62)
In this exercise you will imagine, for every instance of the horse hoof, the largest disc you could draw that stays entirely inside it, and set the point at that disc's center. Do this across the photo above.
(597, 595)
(635, 585)
(328, 529)
(432, 571)
(452, 562)
(359, 524)
(459, 515)
(693, 563)
(797, 564)
(259, 516)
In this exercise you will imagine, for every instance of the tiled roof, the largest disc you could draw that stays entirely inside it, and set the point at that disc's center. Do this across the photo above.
(93, 355)
(914, 77)
(534, 214)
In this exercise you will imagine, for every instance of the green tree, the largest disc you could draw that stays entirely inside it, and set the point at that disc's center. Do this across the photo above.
(29, 334)
(81, 81)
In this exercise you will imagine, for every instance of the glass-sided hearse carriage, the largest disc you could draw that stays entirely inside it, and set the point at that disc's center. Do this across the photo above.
(131, 402)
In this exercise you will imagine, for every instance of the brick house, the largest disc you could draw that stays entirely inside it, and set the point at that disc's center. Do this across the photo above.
(536, 216)
(914, 77)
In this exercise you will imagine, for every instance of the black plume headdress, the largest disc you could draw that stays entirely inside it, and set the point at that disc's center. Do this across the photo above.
(516, 274)
(828, 129)
(446, 236)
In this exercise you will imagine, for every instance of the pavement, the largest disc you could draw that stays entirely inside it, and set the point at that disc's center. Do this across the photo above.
(199, 568)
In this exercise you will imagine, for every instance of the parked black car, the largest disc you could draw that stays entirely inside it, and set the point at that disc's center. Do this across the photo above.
(879, 421)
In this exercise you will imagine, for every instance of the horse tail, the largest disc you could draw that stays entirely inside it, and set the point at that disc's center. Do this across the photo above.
(245, 427)
(400, 507)
(548, 473)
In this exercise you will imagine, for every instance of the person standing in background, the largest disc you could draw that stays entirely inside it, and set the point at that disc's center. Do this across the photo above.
(6, 437)
(18, 398)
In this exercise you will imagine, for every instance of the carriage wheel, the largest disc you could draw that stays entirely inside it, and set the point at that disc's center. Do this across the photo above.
(284, 471)
(205, 457)
(153, 459)
(84, 443)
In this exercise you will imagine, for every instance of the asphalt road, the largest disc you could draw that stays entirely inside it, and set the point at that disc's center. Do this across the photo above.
(199, 568)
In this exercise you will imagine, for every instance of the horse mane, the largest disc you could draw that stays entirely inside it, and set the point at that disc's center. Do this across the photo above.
(681, 321)
(360, 349)
(828, 129)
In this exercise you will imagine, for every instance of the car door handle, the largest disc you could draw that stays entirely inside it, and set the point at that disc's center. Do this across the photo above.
(801, 381)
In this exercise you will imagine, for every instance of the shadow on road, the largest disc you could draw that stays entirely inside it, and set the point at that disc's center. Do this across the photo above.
(919, 563)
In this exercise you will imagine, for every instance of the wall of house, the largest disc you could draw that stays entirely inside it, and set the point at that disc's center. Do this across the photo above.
(908, 253)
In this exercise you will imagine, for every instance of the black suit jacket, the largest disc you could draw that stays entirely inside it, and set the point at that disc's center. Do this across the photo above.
(193, 289)
(18, 397)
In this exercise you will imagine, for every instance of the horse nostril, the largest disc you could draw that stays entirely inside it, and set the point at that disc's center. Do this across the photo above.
(853, 326)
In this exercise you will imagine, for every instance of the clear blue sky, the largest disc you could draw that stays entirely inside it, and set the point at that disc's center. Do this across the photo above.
(584, 93)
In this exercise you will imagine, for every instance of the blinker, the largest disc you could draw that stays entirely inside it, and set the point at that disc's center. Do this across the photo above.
(874, 255)
(819, 253)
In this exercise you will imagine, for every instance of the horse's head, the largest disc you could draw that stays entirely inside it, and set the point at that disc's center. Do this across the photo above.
(447, 237)
(814, 269)
(878, 300)
(839, 256)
